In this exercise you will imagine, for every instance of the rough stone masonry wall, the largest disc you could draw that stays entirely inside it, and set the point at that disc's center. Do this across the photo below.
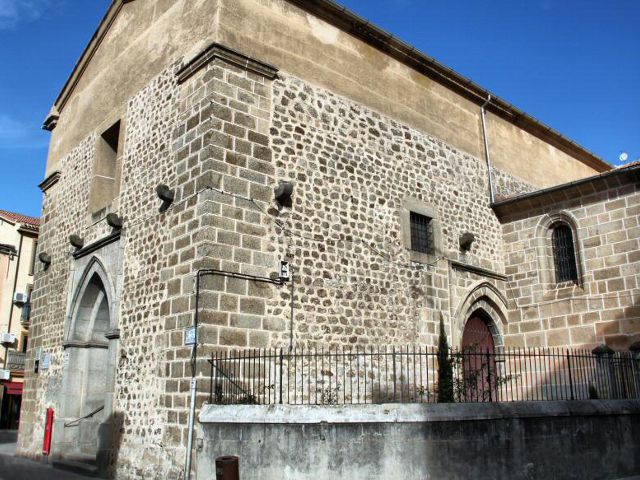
(152, 116)
(62, 215)
(352, 169)
(147, 161)
(222, 140)
(605, 306)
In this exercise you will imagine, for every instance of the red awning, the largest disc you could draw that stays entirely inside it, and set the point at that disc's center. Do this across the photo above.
(13, 388)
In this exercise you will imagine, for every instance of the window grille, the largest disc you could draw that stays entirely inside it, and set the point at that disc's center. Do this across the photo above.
(564, 254)
(421, 233)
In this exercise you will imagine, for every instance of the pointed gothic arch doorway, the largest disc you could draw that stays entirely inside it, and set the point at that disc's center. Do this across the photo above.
(479, 363)
(89, 371)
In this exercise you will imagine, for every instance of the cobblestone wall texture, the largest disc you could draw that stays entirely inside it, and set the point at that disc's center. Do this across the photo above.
(147, 160)
(352, 169)
(61, 214)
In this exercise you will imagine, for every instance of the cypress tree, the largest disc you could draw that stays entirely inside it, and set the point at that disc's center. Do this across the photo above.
(445, 369)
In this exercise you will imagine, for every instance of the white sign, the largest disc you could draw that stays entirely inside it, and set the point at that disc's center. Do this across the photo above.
(46, 360)
(190, 337)
(285, 271)
(65, 359)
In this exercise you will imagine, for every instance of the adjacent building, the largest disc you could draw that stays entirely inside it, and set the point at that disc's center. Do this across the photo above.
(403, 193)
(18, 243)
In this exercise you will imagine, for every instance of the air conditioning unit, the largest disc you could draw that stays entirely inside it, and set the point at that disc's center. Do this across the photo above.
(5, 375)
(20, 298)
(8, 338)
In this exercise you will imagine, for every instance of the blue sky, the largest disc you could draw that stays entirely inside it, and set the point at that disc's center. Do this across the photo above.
(573, 64)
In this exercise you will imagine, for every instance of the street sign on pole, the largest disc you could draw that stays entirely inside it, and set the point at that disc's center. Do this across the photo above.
(190, 337)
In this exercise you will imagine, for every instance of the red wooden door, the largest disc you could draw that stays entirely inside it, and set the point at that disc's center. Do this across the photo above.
(479, 367)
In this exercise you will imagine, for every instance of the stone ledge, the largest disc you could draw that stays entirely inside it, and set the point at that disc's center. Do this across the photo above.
(411, 413)
(221, 52)
(478, 270)
(103, 242)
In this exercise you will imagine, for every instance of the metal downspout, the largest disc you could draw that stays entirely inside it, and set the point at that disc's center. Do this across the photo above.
(192, 406)
(291, 319)
(492, 198)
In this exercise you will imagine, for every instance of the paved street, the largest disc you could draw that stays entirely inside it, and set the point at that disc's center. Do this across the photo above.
(17, 468)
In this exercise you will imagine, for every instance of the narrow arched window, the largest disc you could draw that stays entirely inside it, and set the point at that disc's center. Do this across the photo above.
(564, 254)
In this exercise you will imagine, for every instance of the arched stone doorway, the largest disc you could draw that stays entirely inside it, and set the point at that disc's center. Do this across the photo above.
(478, 358)
(89, 372)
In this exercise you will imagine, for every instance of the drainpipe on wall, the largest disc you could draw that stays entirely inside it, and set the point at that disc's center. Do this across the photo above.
(193, 389)
(486, 149)
(15, 285)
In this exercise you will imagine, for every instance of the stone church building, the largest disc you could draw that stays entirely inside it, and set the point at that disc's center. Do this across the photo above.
(405, 192)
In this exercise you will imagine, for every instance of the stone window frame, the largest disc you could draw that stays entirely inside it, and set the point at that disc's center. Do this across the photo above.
(421, 207)
(571, 254)
(545, 253)
(97, 213)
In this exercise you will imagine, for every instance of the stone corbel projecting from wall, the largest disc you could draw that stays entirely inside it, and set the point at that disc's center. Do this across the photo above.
(51, 121)
(216, 51)
(50, 181)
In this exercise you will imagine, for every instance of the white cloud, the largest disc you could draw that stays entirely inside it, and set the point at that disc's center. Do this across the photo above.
(11, 129)
(14, 12)
(18, 135)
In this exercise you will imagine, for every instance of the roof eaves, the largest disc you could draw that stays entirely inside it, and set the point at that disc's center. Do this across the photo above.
(534, 199)
(398, 49)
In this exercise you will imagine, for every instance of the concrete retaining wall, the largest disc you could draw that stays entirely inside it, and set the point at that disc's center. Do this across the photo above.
(559, 440)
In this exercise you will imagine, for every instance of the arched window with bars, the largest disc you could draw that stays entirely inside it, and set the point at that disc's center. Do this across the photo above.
(564, 253)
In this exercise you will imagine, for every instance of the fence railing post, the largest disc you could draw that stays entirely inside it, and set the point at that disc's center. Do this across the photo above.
(570, 375)
(634, 352)
(211, 381)
(489, 376)
(281, 366)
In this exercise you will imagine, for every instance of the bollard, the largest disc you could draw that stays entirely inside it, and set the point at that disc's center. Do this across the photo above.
(227, 468)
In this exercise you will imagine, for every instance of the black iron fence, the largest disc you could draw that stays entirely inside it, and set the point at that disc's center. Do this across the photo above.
(410, 375)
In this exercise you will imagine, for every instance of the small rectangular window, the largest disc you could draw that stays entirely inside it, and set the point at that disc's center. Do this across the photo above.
(421, 233)
(564, 254)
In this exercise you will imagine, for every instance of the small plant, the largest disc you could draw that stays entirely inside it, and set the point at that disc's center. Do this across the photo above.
(248, 399)
(477, 378)
(329, 396)
(217, 395)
